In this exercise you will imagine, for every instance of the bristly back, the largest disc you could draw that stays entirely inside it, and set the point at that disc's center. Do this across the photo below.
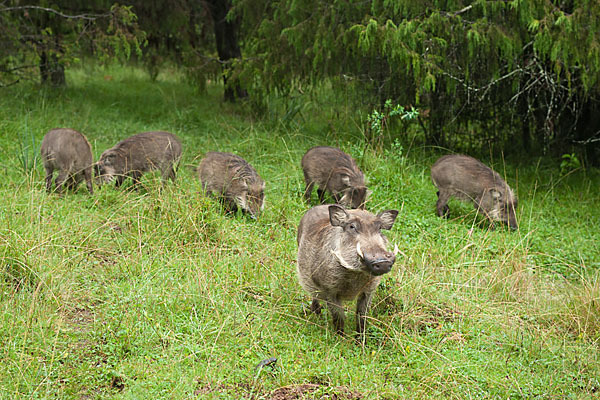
(242, 168)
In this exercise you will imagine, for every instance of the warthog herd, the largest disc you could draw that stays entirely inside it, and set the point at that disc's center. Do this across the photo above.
(342, 252)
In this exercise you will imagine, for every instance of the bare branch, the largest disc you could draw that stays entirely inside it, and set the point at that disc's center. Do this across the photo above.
(483, 88)
(525, 90)
(211, 59)
(467, 8)
(591, 139)
(9, 84)
(18, 68)
(455, 13)
(90, 17)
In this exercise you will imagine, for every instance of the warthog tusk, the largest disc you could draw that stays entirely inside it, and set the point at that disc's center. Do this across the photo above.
(343, 262)
(397, 250)
(359, 251)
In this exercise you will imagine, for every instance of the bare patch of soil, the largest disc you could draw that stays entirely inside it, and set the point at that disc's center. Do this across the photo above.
(291, 392)
(79, 318)
(298, 392)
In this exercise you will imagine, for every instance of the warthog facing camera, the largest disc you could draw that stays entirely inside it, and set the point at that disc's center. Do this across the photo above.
(468, 179)
(69, 152)
(236, 182)
(341, 256)
(334, 171)
(137, 154)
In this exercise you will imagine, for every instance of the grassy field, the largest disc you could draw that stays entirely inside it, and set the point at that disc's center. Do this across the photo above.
(159, 294)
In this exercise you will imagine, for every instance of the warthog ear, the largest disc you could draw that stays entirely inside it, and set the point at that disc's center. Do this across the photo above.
(338, 216)
(387, 218)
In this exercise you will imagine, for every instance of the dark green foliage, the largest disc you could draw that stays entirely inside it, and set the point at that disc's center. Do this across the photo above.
(44, 37)
(177, 32)
(489, 74)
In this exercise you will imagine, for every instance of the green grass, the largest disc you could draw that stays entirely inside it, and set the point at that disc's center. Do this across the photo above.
(159, 294)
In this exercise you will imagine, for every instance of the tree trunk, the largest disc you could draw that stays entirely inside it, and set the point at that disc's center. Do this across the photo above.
(52, 71)
(437, 117)
(588, 130)
(227, 46)
(522, 110)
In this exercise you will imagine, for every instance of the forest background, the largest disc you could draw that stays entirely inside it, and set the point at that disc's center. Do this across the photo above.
(514, 76)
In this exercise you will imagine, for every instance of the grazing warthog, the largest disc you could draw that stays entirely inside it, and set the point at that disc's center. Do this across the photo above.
(137, 154)
(70, 153)
(468, 179)
(236, 182)
(342, 255)
(334, 171)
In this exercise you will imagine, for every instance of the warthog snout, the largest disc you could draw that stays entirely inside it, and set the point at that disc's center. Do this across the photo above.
(377, 262)
(380, 266)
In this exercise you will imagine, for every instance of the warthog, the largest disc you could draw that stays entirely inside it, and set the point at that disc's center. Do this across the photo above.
(137, 154)
(334, 171)
(468, 179)
(70, 153)
(236, 182)
(342, 255)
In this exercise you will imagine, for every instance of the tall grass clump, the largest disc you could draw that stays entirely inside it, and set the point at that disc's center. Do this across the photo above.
(26, 154)
(581, 308)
